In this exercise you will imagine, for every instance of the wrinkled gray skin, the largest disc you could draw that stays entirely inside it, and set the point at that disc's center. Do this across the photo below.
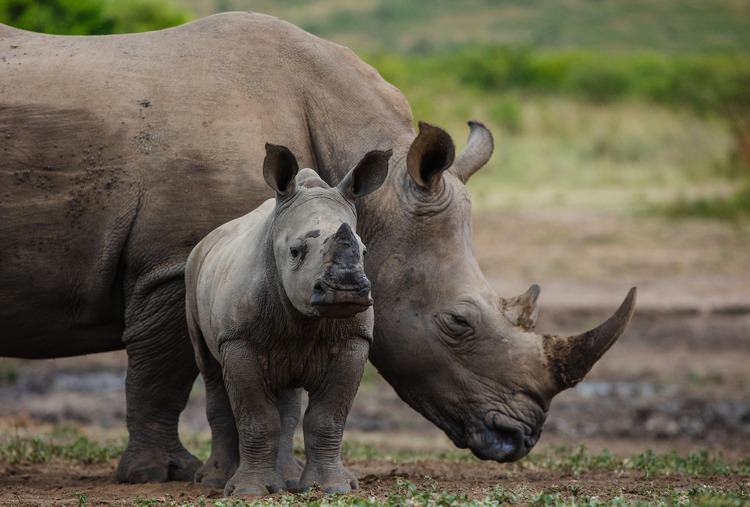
(118, 153)
(277, 300)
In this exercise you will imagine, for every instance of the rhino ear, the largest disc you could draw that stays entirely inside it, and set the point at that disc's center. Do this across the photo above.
(477, 152)
(430, 154)
(367, 176)
(280, 168)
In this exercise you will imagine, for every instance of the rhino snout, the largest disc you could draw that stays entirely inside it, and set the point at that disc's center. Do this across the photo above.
(497, 442)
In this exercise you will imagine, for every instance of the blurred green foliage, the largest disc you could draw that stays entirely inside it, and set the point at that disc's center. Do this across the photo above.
(704, 83)
(91, 17)
(418, 27)
(713, 85)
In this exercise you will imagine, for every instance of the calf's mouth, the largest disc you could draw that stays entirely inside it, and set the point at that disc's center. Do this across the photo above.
(332, 299)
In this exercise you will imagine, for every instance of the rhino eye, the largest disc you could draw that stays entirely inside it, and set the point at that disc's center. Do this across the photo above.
(455, 325)
(460, 321)
(298, 251)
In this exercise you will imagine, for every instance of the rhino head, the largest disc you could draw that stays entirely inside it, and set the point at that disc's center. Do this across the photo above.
(462, 356)
(318, 256)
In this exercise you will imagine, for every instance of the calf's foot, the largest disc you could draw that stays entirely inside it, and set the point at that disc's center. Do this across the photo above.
(253, 484)
(334, 479)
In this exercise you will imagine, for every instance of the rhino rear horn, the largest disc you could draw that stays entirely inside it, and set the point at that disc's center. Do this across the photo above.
(522, 310)
(477, 152)
(572, 357)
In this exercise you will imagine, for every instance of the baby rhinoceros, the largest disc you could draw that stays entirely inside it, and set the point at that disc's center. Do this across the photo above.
(277, 300)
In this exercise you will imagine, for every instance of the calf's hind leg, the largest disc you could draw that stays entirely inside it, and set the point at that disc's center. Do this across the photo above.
(225, 455)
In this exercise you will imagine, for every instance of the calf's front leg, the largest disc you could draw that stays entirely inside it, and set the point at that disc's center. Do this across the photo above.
(258, 423)
(323, 425)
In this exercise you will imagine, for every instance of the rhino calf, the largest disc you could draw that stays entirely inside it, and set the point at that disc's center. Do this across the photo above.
(277, 300)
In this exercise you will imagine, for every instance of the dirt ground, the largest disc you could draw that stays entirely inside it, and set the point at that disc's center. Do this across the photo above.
(679, 379)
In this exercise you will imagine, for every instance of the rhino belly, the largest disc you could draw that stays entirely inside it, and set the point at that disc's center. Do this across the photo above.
(67, 206)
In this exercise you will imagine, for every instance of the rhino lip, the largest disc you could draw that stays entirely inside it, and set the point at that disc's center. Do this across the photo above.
(340, 300)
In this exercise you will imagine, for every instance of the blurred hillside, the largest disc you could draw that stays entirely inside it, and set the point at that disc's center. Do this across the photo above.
(413, 26)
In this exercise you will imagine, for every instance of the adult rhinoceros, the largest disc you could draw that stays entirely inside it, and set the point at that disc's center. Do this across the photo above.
(119, 153)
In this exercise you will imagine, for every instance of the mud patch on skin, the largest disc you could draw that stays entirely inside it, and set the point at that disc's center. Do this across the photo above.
(567, 365)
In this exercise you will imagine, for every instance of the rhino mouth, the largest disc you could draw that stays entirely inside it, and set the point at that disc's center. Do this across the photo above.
(495, 440)
(338, 300)
(501, 445)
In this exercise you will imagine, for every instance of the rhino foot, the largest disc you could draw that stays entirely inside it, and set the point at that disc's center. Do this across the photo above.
(138, 466)
(290, 470)
(339, 480)
(243, 484)
(213, 475)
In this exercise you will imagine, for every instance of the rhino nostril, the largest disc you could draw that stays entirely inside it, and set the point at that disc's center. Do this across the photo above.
(530, 440)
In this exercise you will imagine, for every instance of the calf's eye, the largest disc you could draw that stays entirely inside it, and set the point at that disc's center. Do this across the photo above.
(298, 250)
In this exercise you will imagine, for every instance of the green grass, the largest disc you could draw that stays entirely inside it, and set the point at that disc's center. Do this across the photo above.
(578, 461)
(701, 469)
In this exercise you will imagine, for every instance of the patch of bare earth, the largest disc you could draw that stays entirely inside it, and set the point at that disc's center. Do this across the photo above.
(677, 380)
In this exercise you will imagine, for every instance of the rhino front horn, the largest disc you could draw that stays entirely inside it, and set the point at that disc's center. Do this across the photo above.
(572, 357)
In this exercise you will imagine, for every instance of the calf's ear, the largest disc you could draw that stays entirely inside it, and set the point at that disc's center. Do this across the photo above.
(367, 176)
(280, 168)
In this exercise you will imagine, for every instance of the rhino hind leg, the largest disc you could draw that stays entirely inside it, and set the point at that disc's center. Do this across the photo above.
(224, 458)
(161, 373)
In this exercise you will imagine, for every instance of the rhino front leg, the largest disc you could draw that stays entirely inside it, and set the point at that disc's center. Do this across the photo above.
(290, 468)
(258, 422)
(324, 421)
(161, 372)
